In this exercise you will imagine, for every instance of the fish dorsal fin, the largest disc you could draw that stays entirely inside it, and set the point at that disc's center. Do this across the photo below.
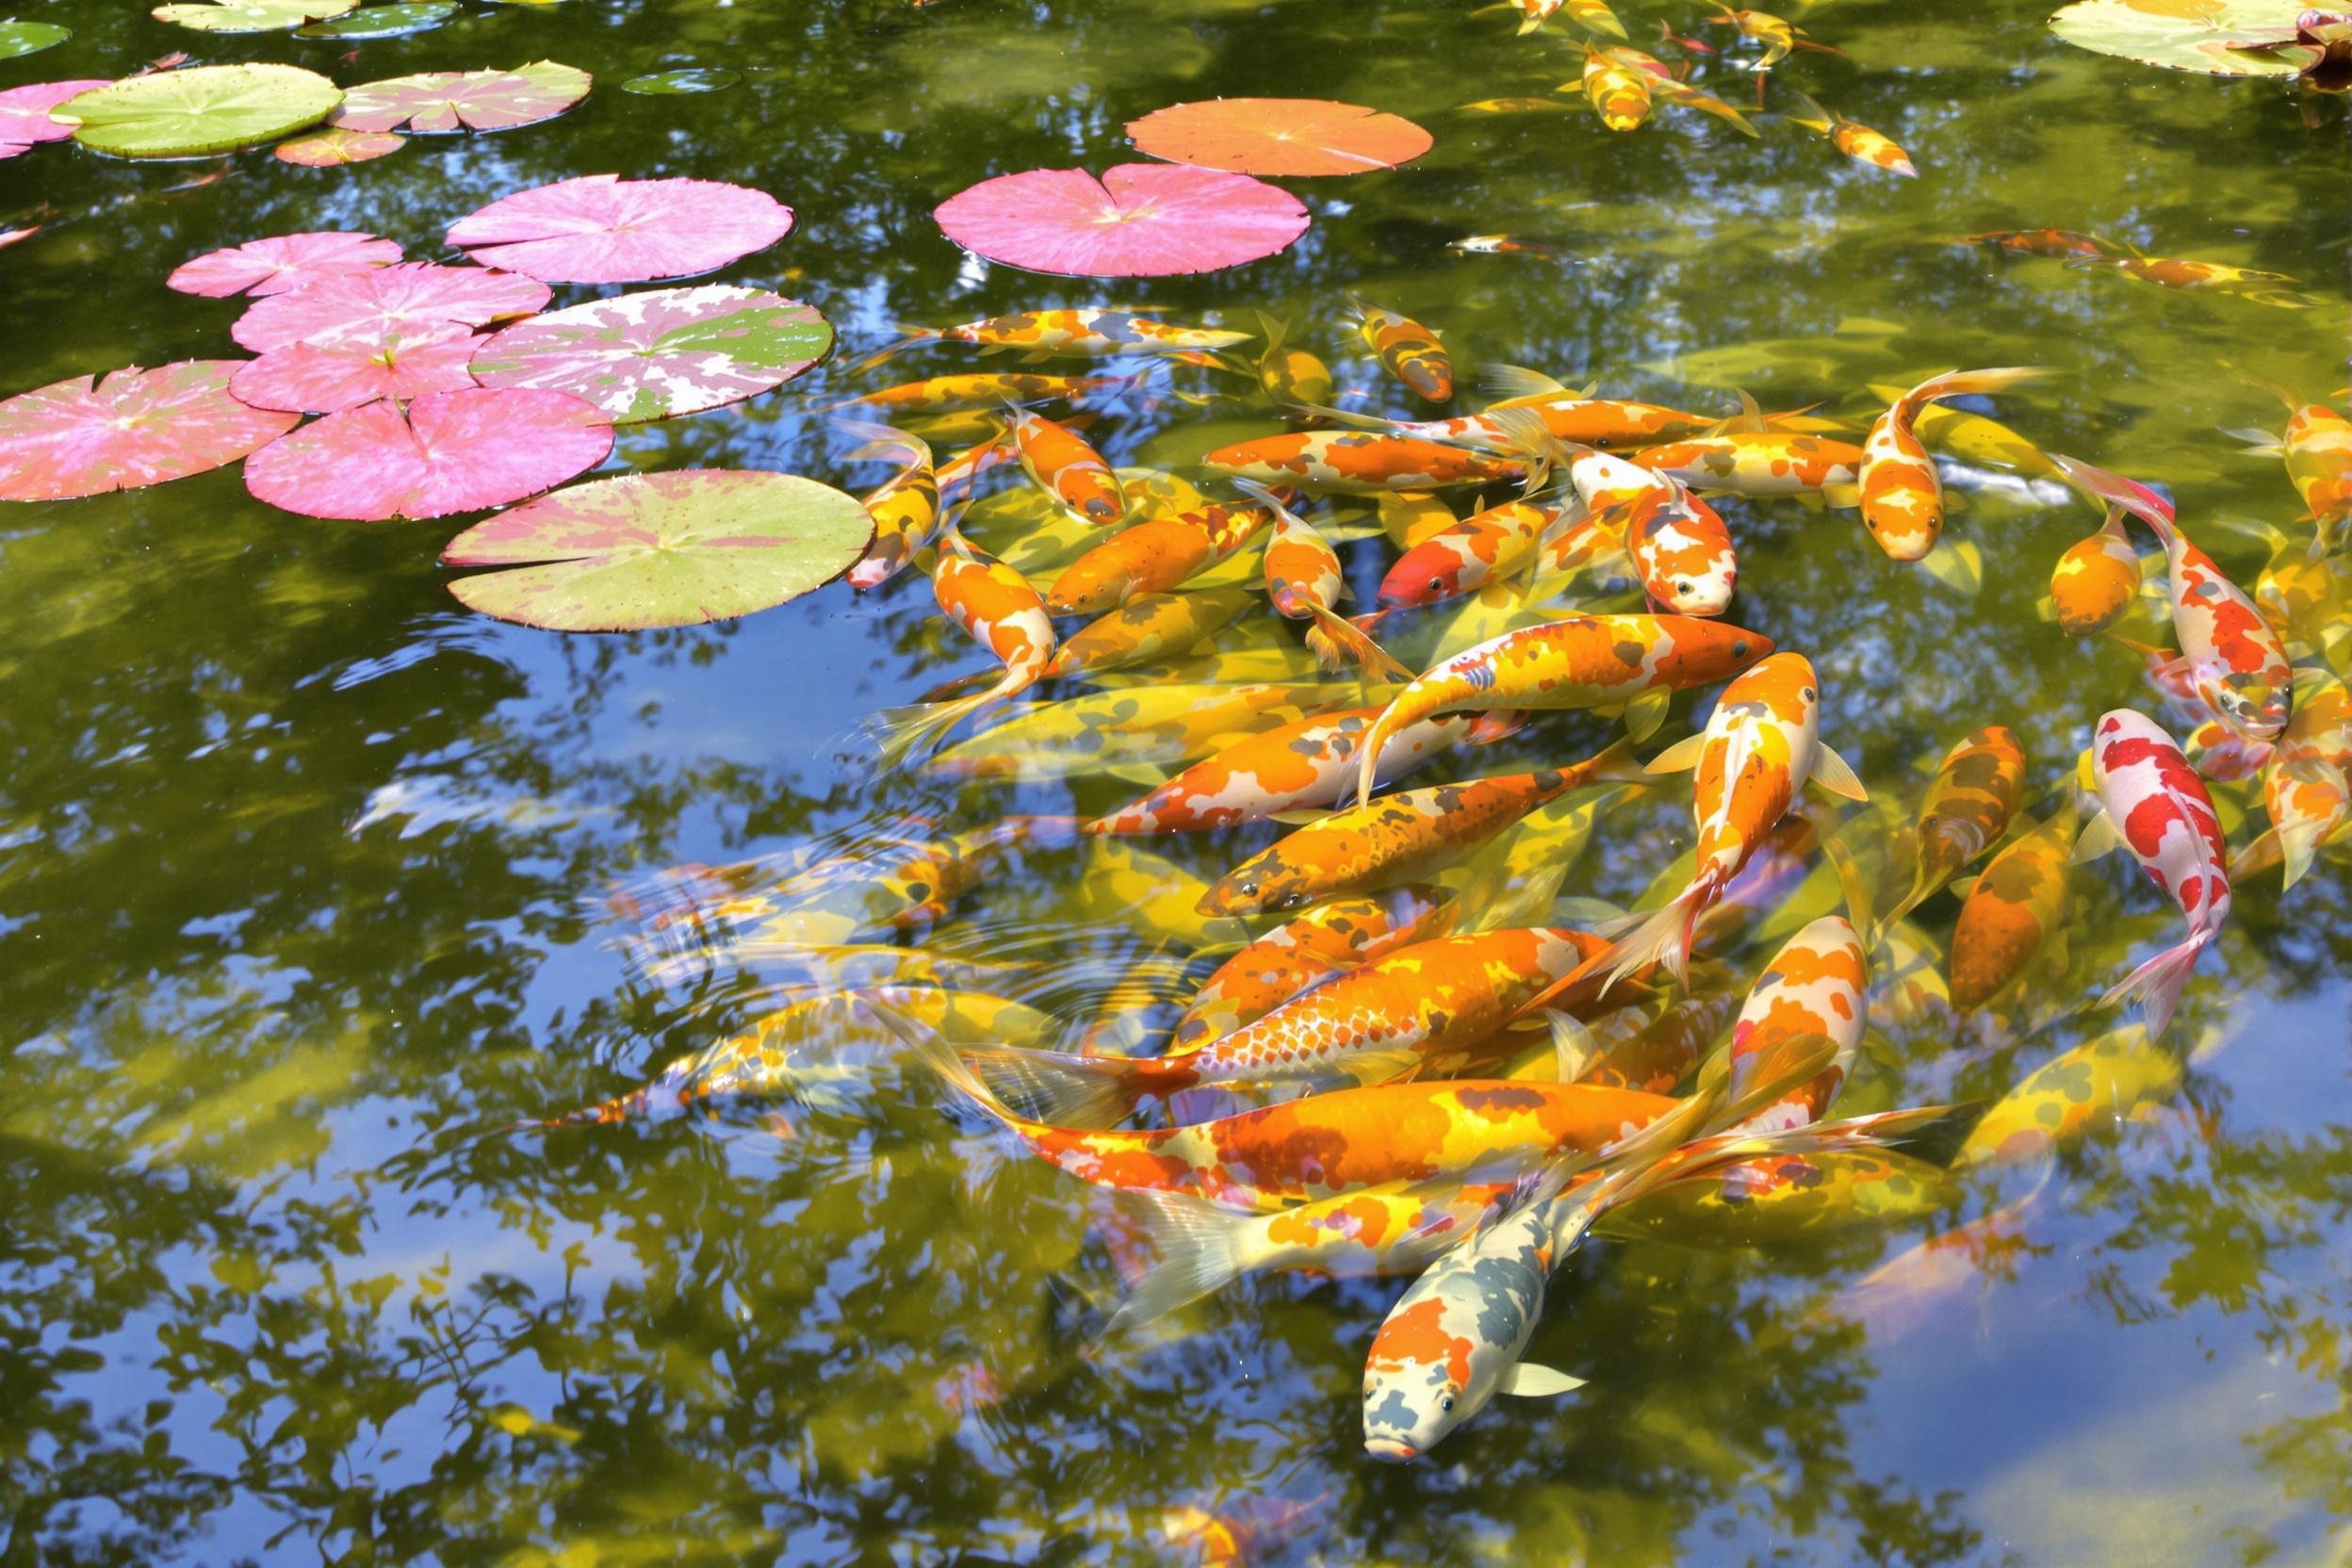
(1750, 419)
(1516, 380)
(1679, 758)
(1836, 774)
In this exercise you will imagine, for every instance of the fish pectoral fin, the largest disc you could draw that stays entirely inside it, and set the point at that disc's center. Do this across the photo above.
(1530, 1382)
(1299, 818)
(1679, 758)
(1960, 886)
(1957, 564)
(1836, 774)
(1644, 713)
(1573, 1049)
(1382, 1066)
(1842, 497)
(2098, 838)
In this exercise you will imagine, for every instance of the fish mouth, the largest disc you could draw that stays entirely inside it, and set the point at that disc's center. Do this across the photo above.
(1392, 1449)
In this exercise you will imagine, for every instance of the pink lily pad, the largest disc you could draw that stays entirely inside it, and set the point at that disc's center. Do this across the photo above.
(371, 307)
(135, 428)
(24, 113)
(675, 548)
(601, 228)
(1138, 221)
(282, 264)
(327, 378)
(443, 453)
(330, 149)
(662, 352)
(438, 101)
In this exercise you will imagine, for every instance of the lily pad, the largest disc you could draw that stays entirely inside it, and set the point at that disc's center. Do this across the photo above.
(689, 79)
(369, 307)
(444, 452)
(439, 102)
(677, 549)
(2219, 37)
(333, 146)
(1139, 219)
(85, 436)
(314, 378)
(1278, 136)
(662, 352)
(282, 263)
(601, 228)
(249, 16)
(30, 37)
(383, 21)
(205, 108)
(24, 113)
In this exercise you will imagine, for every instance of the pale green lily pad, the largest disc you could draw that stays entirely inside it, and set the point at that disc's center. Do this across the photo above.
(249, 16)
(30, 37)
(644, 550)
(2219, 37)
(383, 21)
(688, 79)
(208, 108)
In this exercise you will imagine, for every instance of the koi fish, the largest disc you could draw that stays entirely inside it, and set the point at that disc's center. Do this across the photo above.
(1815, 986)
(1363, 462)
(1776, 1200)
(2317, 446)
(1592, 15)
(2037, 242)
(1306, 763)
(1149, 627)
(1760, 463)
(2097, 580)
(980, 390)
(2228, 649)
(1623, 662)
(1397, 835)
(1288, 375)
(1461, 557)
(994, 606)
(1155, 726)
(1406, 349)
(1065, 466)
(1854, 138)
(1039, 334)
(2308, 784)
(1966, 810)
(2156, 805)
(1779, 36)
(1619, 94)
(905, 509)
(1312, 948)
(2205, 277)
(1151, 557)
(1678, 545)
(1902, 501)
(2015, 907)
(1505, 244)
(1760, 746)
(2065, 1097)
(1304, 582)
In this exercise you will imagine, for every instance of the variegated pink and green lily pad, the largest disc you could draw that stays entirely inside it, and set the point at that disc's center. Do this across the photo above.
(661, 352)
(443, 453)
(86, 436)
(2218, 38)
(440, 101)
(334, 147)
(647, 550)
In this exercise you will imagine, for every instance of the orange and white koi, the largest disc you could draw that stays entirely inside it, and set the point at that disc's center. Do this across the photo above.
(1902, 501)
(1760, 746)
(2317, 446)
(2308, 785)
(1066, 467)
(1154, 556)
(995, 607)
(1304, 582)
(1363, 462)
(1619, 92)
(1507, 244)
(1483, 547)
(1966, 810)
(1760, 463)
(1291, 376)
(1577, 418)
(2156, 805)
(1856, 140)
(1149, 627)
(1678, 545)
(905, 509)
(980, 390)
(1599, 661)
(1814, 985)
(1406, 349)
(2097, 580)
(2013, 909)
(1319, 945)
(1039, 334)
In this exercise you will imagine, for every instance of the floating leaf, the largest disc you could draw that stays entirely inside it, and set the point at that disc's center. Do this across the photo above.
(1278, 136)
(135, 428)
(444, 452)
(691, 79)
(313, 378)
(383, 21)
(601, 228)
(439, 102)
(282, 263)
(370, 306)
(24, 113)
(207, 108)
(664, 352)
(675, 548)
(328, 148)
(1139, 219)
(249, 16)
(30, 37)
(2210, 36)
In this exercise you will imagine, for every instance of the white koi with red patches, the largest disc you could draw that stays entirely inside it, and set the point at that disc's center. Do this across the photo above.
(2157, 805)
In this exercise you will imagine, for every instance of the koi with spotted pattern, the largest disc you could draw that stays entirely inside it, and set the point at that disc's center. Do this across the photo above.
(2155, 803)
(1363, 463)
(2065, 1097)
(1483, 547)
(1678, 545)
(1604, 424)
(1966, 810)
(2206, 277)
(994, 606)
(905, 509)
(1619, 92)
(1758, 462)
(2097, 580)
(1816, 985)
(2317, 446)
(2012, 910)
(980, 389)
(1318, 946)
(1406, 349)
(1902, 500)
(1154, 556)
(1149, 627)
(1304, 582)
(1865, 146)
(2308, 783)
(1066, 467)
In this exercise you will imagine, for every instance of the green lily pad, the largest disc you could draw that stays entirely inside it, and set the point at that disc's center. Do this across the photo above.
(675, 548)
(249, 16)
(689, 79)
(2219, 37)
(383, 21)
(30, 37)
(208, 108)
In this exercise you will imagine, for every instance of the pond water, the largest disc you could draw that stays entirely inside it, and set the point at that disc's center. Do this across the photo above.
(314, 884)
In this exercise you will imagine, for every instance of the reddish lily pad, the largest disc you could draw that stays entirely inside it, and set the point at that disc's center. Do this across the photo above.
(282, 263)
(1139, 219)
(335, 147)
(443, 453)
(675, 548)
(440, 101)
(369, 307)
(601, 228)
(312, 377)
(1278, 136)
(662, 352)
(24, 113)
(85, 436)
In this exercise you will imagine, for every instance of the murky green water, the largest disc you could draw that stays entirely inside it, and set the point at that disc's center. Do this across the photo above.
(306, 873)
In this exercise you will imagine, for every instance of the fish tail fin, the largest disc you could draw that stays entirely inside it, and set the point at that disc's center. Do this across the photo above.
(1962, 383)
(1197, 1250)
(934, 1051)
(1814, 117)
(908, 338)
(1356, 644)
(2115, 490)
(2157, 984)
(1517, 380)
(636, 1104)
(1662, 936)
(1385, 724)
(2294, 404)
(900, 732)
(1523, 435)
(1615, 764)
(882, 443)
(1063, 1091)
(1274, 331)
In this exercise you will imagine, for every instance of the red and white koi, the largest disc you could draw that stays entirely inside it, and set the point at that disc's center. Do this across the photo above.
(2154, 804)
(1902, 501)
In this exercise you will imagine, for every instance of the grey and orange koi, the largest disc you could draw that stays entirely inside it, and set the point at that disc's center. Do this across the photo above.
(1304, 584)
(1406, 349)
(1966, 812)
(994, 606)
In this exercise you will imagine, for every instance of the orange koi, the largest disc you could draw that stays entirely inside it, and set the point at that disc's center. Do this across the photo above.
(905, 509)
(1362, 463)
(1483, 547)
(1317, 946)
(1854, 138)
(981, 390)
(1902, 501)
(2097, 580)
(995, 607)
(2206, 277)
(1304, 582)
(2015, 907)
(1151, 557)
(2317, 446)
(1406, 349)
(1966, 810)
(1065, 466)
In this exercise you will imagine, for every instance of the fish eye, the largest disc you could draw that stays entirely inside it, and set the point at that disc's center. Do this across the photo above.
(1447, 1403)
(1437, 584)
(1250, 890)
(1683, 588)
(1602, 445)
